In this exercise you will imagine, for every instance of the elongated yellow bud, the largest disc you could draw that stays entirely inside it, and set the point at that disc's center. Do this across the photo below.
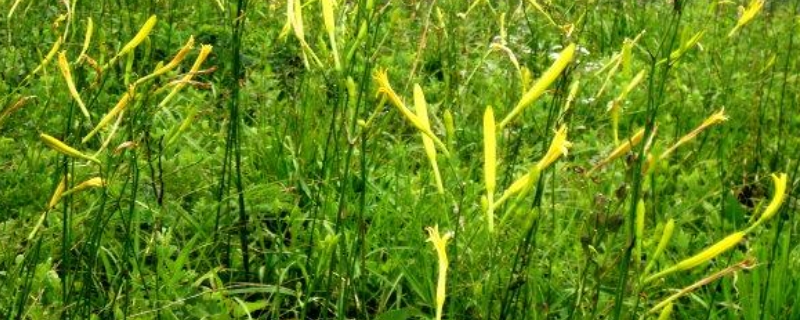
(140, 36)
(620, 150)
(13, 108)
(205, 50)
(330, 27)
(711, 252)
(382, 78)
(123, 102)
(702, 257)
(489, 163)
(449, 127)
(440, 245)
(549, 76)
(780, 181)
(57, 194)
(666, 313)
(558, 147)
(87, 40)
(63, 65)
(46, 60)
(666, 235)
(172, 64)
(430, 149)
(91, 183)
(63, 148)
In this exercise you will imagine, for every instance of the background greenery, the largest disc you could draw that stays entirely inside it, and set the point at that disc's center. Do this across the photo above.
(273, 202)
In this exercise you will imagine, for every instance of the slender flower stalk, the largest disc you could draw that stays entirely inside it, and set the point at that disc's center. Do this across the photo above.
(489, 163)
(620, 150)
(111, 133)
(640, 215)
(421, 107)
(121, 104)
(440, 245)
(63, 65)
(666, 304)
(715, 118)
(63, 148)
(615, 106)
(547, 78)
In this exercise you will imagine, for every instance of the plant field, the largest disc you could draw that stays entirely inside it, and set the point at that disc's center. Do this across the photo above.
(399, 159)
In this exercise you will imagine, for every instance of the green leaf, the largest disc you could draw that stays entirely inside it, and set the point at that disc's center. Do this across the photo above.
(400, 314)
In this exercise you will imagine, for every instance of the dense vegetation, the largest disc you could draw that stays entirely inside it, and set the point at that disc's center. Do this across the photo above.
(363, 159)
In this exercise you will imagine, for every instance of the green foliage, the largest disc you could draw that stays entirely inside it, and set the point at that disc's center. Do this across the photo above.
(275, 186)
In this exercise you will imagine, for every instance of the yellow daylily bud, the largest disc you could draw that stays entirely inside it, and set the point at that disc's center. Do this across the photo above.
(702, 257)
(440, 245)
(58, 193)
(558, 147)
(205, 50)
(14, 107)
(430, 149)
(330, 27)
(449, 127)
(666, 236)
(59, 146)
(63, 65)
(91, 183)
(87, 39)
(123, 102)
(620, 150)
(780, 182)
(139, 37)
(489, 163)
(666, 313)
(382, 78)
(172, 64)
(547, 78)
(47, 58)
